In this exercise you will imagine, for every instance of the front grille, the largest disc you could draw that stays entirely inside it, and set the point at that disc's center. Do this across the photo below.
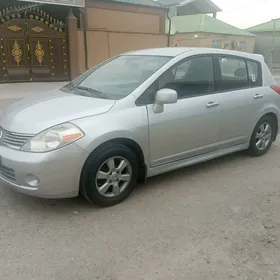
(14, 140)
(7, 173)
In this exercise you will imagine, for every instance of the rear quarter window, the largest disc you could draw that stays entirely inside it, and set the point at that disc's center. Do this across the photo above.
(255, 73)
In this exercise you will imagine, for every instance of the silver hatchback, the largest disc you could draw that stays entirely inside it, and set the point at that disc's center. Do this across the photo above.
(137, 115)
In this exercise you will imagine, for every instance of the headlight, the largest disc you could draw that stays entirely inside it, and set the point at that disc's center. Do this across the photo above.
(53, 138)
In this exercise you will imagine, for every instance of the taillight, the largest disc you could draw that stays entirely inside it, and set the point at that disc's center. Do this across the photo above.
(276, 88)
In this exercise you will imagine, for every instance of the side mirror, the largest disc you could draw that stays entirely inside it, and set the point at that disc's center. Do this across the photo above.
(164, 96)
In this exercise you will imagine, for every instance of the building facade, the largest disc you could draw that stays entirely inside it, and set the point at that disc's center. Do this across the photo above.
(268, 42)
(44, 42)
(40, 42)
(205, 31)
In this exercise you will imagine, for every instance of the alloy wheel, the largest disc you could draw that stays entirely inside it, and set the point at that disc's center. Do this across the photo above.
(113, 177)
(263, 136)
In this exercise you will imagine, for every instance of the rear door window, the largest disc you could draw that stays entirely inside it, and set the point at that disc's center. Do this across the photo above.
(233, 74)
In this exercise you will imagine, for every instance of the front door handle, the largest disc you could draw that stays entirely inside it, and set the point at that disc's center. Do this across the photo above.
(212, 104)
(258, 96)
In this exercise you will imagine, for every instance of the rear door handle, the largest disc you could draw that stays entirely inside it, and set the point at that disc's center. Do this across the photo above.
(212, 104)
(258, 96)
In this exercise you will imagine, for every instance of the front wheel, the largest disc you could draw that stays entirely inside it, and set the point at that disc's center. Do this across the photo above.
(262, 137)
(111, 175)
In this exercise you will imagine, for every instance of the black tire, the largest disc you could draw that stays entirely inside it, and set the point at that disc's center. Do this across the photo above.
(253, 149)
(96, 160)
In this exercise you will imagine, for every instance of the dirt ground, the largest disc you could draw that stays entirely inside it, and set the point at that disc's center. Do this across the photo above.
(218, 220)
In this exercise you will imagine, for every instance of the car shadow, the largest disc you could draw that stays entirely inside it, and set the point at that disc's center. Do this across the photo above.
(164, 180)
(79, 204)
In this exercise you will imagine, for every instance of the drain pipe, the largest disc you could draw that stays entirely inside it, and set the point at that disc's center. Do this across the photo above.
(85, 40)
(169, 29)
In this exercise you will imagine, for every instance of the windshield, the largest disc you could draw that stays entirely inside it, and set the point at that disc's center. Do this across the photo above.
(116, 78)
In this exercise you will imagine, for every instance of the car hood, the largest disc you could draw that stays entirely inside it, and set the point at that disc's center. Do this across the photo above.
(34, 114)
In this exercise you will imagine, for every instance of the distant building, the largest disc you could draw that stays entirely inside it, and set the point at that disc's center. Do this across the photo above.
(205, 31)
(264, 42)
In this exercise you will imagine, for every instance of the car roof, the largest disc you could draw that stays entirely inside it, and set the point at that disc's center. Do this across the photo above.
(161, 51)
(175, 51)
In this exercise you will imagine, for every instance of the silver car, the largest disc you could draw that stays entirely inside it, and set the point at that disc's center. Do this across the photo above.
(138, 115)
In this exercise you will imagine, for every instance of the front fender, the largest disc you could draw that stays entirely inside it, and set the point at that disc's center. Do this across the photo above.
(130, 123)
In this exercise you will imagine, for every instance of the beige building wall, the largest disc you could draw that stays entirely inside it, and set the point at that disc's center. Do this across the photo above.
(205, 40)
(126, 18)
(123, 21)
(103, 45)
(113, 29)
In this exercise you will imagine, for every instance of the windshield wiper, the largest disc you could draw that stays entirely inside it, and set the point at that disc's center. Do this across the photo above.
(92, 91)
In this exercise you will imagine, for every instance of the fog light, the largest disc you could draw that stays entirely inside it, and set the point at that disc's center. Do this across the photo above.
(32, 180)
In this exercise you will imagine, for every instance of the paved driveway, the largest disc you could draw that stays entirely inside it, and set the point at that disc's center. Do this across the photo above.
(218, 220)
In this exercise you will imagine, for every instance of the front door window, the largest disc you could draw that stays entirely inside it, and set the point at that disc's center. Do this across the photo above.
(191, 78)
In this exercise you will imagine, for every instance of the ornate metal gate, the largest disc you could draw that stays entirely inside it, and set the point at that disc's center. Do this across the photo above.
(33, 46)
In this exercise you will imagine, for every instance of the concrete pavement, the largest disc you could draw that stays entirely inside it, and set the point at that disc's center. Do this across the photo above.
(218, 220)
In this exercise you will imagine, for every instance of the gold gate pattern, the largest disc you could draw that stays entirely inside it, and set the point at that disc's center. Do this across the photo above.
(33, 45)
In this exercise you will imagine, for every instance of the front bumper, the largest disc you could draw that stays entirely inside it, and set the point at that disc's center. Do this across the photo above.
(56, 174)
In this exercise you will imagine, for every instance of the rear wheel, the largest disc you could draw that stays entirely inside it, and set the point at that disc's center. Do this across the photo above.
(111, 175)
(262, 136)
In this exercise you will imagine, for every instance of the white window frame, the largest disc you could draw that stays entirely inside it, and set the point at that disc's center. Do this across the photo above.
(216, 44)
